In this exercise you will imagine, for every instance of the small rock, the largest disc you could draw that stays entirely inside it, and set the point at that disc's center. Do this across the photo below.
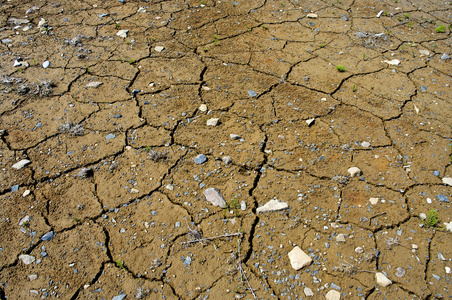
(382, 279)
(169, 187)
(213, 122)
(134, 191)
(119, 297)
(445, 56)
(7, 41)
(14, 21)
(447, 180)
(400, 272)
(422, 216)
(354, 171)
(135, 92)
(272, 205)
(380, 13)
(394, 62)
(94, 84)
(46, 64)
(333, 295)
(203, 108)
(340, 238)
(373, 201)
(235, 136)
(312, 16)
(26, 193)
(345, 18)
(200, 159)
(441, 256)
(447, 270)
(110, 136)
(308, 292)
(227, 160)
(243, 205)
(335, 286)
(27, 259)
(24, 220)
(48, 236)
(423, 88)
(19, 165)
(310, 122)
(141, 10)
(424, 52)
(41, 23)
(359, 250)
(32, 277)
(159, 48)
(365, 144)
(213, 195)
(252, 93)
(442, 198)
(298, 258)
(122, 33)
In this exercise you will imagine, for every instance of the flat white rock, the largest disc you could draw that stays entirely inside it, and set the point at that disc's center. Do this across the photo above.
(424, 52)
(310, 121)
(298, 258)
(333, 295)
(213, 122)
(159, 48)
(203, 108)
(365, 144)
(272, 205)
(308, 292)
(215, 197)
(235, 136)
(382, 279)
(394, 62)
(447, 180)
(340, 238)
(27, 259)
(122, 33)
(94, 84)
(312, 16)
(46, 64)
(19, 165)
(373, 201)
(354, 171)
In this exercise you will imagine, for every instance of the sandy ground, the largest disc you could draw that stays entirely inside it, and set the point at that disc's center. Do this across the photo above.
(121, 114)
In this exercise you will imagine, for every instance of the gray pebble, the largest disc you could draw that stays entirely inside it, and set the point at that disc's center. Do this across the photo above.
(48, 236)
(200, 159)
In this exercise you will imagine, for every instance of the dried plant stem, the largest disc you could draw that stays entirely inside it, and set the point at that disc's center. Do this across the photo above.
(243, 273)
(211, 238)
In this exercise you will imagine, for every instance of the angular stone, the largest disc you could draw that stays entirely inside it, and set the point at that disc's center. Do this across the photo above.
(272, 205)
(308, 292)
(203, 108)
(200, 159)
(235, 136)
(159, 48)
(333, 295)
(27, 259)
(298, 258)
(122, 33)
(310, 122)
(214, 196)
(312, 16)
(227, 160)
(213, 122)
(48, 236)
(354, 171)
(46, 64)
(94, 84)
(373, 201)
(382, 279)
(447, 180)
(340, 238)
(19, 165)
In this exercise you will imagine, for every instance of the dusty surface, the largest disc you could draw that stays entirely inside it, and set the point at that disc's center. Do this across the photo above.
(112, 205)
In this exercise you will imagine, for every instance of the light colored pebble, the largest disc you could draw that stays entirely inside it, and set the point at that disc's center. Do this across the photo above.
(298, 258)
(354, 171)
(333, 295)
(382, 280)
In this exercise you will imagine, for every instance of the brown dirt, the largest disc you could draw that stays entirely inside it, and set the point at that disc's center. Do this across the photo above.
(112, 172)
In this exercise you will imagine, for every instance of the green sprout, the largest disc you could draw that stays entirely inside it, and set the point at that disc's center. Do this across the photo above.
(34, 61)
(119, 263)
(87, 70)
(322, 45)
(131, 61)
(203, 2)
(236, 205)
(153, 39)
(400, 19)
(117, 25)
(354, 88)
(147, 148)
(340, 68)
(226, 210)
(215, 42)
(264, 26)
(440, 29)
(389, 32)
(76, 220)
(26, 224)
(432, 218)
(406, 15)
(364, 56)
(410, 24)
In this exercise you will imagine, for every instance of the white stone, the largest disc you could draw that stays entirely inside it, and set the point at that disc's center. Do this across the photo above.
(272, 205)
(373, 201)
(32, 277)
(340, 238)
(19, 165)
(382, 279)
(448, 226)
(26, 193)
(141, 10)
(159, 48)
(243, 205)
(422, 216)
(365, 144)
(94, 84)
(235, 136)
(333, 295)
(23, 220)
(26, 259)
(215, 197)
(203, 108)
(227, 160)
(298, 258)
(359, 250)
(169, 187)
(354, 171)
(308, 292)
(312, 16)
(41, 22)
(447, 270)
(122, 33)
(46, 64)
(424, 52)
(213, 122)
(310, 121)
(447, 180)
(134, 191)
(394, 62)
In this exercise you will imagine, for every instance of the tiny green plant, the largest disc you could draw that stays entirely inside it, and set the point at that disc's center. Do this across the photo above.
(400, 19)
(389, 32)
(34, 61)
(131, 61)
(364, 56)
(203, 2)
(87, 70)
(340, 68)
(226, 210)
(21, 70)
(236, 205)
(410, 24)
(119, 263)
(385, 14)
(322, 45)
(440, 29)
(117, 25)
(26, 224)
(215, 36)
(148, 149)
(215, 42)
(153, 39)
(128, 42)
(396, 1)
(432, 218)
(354, 88)
(264, 26)
(406, 15)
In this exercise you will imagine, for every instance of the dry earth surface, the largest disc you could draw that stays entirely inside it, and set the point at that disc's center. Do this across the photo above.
(121, 114)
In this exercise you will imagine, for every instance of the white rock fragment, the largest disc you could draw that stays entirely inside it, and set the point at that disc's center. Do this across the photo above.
(122, 33)
(298, 258)
(234, 136)
(24, 220)
(448, 226)
(373, 201)
(359, 250)
(141, 10)
(41, 23)
(447, 270)
(27, 259)
(203, 108)
(394, 62)
(32, 277)
(382, 279)
(365, 144)
(213, 122)
(312, 16)
(416, 109)
(19, 165)
(354, 171)
(272, 205)
(243, 205)
(94, 84)
(310, 122)
(169, 187)
(134, 191)
(447, 180)
(26, 193)
(379, 13)
(46, 64)
(340, 238)
(159, 48)
(422, 216)
(424, 52)
(215, 197)
(333, 295)
(308, 292)
(227, 160)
